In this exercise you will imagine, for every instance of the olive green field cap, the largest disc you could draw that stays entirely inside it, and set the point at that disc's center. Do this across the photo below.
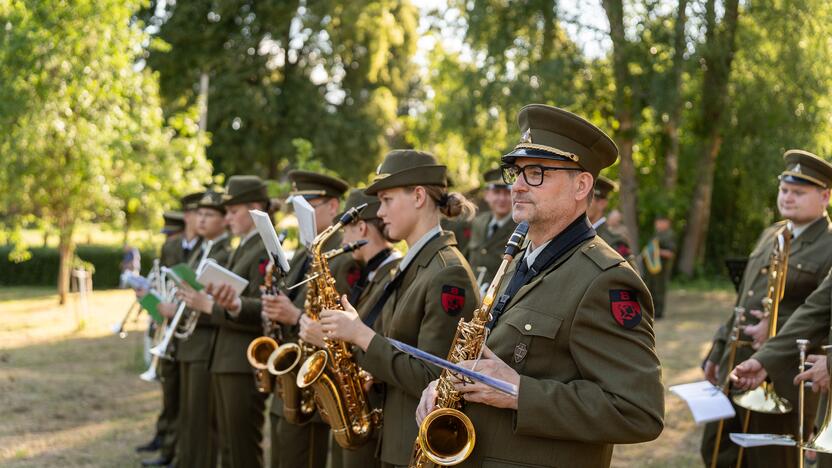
(174, 222)
(189, 202)
(357, 197)
(404, 168)
(245, 189)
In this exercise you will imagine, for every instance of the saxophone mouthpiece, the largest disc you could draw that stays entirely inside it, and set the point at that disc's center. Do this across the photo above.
(351, 214)
(354, 245)
(515, 242)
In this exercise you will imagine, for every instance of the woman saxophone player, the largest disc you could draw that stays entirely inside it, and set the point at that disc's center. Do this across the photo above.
(433, 288)
(378, 261)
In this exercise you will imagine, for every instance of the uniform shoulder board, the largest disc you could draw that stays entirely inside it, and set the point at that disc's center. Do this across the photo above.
(603, 255)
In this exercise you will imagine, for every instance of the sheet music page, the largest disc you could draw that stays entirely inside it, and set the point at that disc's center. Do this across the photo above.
(706, 401)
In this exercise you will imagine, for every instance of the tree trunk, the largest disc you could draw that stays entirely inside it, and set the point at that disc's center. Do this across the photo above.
(720, 46)
(66, 227)
(626, 114)
(671, 126)
(628, 188)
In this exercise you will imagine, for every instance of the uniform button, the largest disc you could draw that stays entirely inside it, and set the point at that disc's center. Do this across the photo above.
(764, 271)
(528, 327)
(750, 293)
(484, 251)
(799, 265)
(591, 246)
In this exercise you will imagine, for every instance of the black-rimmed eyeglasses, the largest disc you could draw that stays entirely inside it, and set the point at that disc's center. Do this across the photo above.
(532, 174)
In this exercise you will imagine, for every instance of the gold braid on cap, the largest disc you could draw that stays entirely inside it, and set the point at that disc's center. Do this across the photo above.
(572, 156)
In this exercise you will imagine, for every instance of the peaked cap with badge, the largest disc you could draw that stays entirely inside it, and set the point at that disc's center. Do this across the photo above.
(604, 186)
(245, 189)
(174, 222)
(803, 167)
(576, 325)
(494, 179)
(213, 200)
(190, 201)
(403, 168)
(552, 133)
(357, 197)
(311, 185)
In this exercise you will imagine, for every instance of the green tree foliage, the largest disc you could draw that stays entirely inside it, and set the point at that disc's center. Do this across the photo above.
(84, 137)
(333, 73)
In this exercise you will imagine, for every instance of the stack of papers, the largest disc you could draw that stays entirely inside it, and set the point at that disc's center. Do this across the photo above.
(306, 220)
(706, 401)
(266, 230)
(760, 440)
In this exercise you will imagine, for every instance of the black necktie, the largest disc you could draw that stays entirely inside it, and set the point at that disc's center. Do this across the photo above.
(492, 228)
(579, 231)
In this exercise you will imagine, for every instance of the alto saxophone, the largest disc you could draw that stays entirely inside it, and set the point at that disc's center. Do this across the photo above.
(446, 435)
(331, 372)
(299, 403)
(262, 347)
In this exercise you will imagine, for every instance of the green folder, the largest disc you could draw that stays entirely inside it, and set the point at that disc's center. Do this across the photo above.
(150, 302)
(184, 274)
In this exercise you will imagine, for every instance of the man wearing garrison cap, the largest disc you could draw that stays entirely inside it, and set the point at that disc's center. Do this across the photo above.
(572, 324)
(802, 200)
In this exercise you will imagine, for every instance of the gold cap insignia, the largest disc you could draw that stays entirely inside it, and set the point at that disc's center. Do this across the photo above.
(227, 196)
(205, 200)
(797, 168)
(378, 169)
(527, 136)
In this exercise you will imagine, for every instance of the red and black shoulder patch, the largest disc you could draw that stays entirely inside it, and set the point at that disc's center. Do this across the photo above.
(353, 275)
(625, 307)
(453, 299)
(263, 266)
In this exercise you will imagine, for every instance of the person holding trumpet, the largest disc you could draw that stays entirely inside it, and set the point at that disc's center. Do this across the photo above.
(802, 200)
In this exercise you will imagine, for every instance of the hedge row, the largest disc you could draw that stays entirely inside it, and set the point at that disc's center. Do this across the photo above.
(42, 268)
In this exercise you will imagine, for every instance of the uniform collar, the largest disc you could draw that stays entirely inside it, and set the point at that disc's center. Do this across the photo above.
(413, 251)
(598, 223)
(247, 237)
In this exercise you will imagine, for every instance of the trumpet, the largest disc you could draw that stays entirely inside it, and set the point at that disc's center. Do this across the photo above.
(734, 343)
(764, 399)
(152, 374)
(447, 435)
(822, 441)
(135, 281)
(163, 349)
(187, 326)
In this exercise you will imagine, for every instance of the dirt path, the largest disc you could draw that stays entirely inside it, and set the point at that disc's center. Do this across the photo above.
(73, 398)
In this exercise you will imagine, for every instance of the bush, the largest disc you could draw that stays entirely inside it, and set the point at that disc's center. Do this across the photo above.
(42, 268)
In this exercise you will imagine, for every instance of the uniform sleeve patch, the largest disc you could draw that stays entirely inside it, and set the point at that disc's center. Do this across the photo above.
(453, 299)
(625, 307)
(353, 275)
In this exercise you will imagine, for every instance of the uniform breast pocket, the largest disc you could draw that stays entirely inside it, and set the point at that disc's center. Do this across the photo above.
(802, 278)
(535, 338)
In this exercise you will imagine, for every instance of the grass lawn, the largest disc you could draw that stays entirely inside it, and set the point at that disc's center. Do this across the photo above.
(72, 397)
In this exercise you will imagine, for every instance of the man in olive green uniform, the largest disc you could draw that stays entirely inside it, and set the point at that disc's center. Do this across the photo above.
(811, 321)
(378, 261)
(197, 441)
(597, 216)
(237, 403)
(175, 250)
(490, 231)
(572, 324)
(802, 199)
(657, 274)
(306, 445)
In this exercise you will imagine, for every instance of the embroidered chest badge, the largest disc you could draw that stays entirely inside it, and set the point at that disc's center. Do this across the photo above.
(625, 307)
(453, 299)
(520, 352)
